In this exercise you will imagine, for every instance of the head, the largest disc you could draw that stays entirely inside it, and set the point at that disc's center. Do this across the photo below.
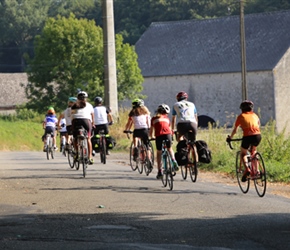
(181, 96)
(137, 103)
(82, 95)
(50, 111)
(247, 106)
(163, 109)
(71, 101)
(98, 100)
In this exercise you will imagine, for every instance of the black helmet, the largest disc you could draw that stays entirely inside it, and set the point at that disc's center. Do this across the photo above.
(98, 100)
(247, 105)
(163, 109)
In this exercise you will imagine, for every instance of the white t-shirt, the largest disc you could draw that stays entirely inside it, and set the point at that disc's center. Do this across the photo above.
(83, 113)
(140, 121)
(67, 115)
(62, 128)
(185, 111)
(100, 115)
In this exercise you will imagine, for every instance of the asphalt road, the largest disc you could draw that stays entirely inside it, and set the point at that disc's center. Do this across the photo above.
(44, 204)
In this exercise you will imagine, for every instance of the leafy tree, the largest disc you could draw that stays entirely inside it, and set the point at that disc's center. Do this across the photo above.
(69, 56)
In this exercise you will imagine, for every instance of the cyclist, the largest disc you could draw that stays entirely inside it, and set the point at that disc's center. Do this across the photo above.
(139, 116)
(186, 115)
(67, 115)
(49, 124)
(62, 132)
(250, 124)
(83, 115)
(160, 124)
(103, 118)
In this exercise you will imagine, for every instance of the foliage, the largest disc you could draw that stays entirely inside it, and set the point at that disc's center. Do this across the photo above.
(68, 57)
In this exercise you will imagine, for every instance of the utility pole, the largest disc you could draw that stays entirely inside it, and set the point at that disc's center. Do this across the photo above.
(243, 51)
(111, 93)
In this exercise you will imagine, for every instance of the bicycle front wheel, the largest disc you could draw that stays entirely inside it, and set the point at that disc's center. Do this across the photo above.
(192, 166)
(244, 186)
(132, 162)
(260, 180)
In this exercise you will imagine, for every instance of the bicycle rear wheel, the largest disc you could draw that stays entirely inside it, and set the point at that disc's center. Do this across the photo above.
(139, 160)
(244, 186)
(151, 152)
(183, 172)
(52, 152)
(84, 156)
(169, 172)
(132, 162)
(192, 167)
(47, 152)
(260, 180)
(104, 149)
(70, 157)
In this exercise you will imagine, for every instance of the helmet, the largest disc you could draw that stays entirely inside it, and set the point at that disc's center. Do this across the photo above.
(181, 96)
(72, 99)
(82, 95)
(98, 100)
(247, 105)
(50, 110)
(163, 109)
(137, 103)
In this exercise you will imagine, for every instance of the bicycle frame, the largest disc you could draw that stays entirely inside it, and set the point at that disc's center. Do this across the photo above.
(82, 144)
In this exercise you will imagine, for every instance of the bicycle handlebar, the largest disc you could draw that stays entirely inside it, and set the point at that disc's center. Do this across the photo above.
(229, 140)
(128, 132)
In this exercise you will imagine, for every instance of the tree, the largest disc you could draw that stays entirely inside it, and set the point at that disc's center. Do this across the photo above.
(69, 56)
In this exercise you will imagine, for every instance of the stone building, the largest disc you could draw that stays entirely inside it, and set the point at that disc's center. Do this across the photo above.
(202, 57)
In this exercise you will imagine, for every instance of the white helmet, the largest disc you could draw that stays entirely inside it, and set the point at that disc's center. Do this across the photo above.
(82, 95)
(163, 109)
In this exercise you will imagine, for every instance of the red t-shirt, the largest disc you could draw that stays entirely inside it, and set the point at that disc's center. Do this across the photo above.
(161, 125)
(249, 122)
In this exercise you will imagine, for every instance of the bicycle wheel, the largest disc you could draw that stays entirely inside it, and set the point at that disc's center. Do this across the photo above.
(101, 150)
(70, 157)
(145, 160)
(48, 138)
(84, 156)
(51, 151)
(151, 152)
(47, 152)
(169, 172)
(244, 186)
(260, 180)
(183, 172)
(104, 149)
(139, 160)
(164, 169)
(192, 166)
(132, 162)
(78, 156)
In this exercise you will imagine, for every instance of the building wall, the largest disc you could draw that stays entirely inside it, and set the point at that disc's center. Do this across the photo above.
(216, 95)
(282, 93)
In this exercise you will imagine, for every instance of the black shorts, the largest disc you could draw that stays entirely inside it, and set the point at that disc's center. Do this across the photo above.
(77, 123)
(184, 127)
(142, 133)
(69, 129)
(49, 130)
(253, 140)
(161, 138)
(104, 127)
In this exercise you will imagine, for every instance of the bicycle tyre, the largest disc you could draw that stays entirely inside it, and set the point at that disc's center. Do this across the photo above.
(192, 164)
(47, 152)
(164, 169)
(104, 149)
(84, 156)
(145, 160)
(261, 181)
(70, 157)
(139, 160)
(52, 152)
(169, 172)
(152, 152)
(244, 186)
(132, 162)
(183, 172)
(48, 138)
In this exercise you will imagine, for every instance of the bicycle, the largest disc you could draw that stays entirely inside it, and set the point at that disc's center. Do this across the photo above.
(63, 145)
(102, 145)
(190, 161)
(168, 170)
(257, 175)
(70, 153)
(49, 148)
(83, 153)
(141, 160)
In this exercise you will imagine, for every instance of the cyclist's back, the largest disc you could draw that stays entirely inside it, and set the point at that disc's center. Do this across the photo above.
(184, 116)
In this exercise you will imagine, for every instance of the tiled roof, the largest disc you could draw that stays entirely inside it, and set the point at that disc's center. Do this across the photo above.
(213, 45)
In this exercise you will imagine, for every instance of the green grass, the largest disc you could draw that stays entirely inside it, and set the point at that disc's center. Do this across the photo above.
(23, 135)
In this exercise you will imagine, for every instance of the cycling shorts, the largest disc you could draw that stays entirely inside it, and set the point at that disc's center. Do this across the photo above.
(252, 140)
(184, 127)
(49, 130)
(161, 138)
(77, 123)
(104, 127)
(142, 133)
(69, 129)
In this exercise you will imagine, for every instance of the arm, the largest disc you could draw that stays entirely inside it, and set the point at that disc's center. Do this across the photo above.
(129, 124)
(233, 132)
(173, 120)
(110, 118)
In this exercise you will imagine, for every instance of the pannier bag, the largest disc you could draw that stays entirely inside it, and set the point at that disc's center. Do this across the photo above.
(204, 154)
(110, 142)
(181, 154)
(96, 142)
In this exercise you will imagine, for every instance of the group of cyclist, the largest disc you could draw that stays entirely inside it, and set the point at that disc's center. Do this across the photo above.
(184, 118)
(79, 113)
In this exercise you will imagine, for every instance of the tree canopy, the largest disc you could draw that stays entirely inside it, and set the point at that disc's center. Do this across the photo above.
(69, 56)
